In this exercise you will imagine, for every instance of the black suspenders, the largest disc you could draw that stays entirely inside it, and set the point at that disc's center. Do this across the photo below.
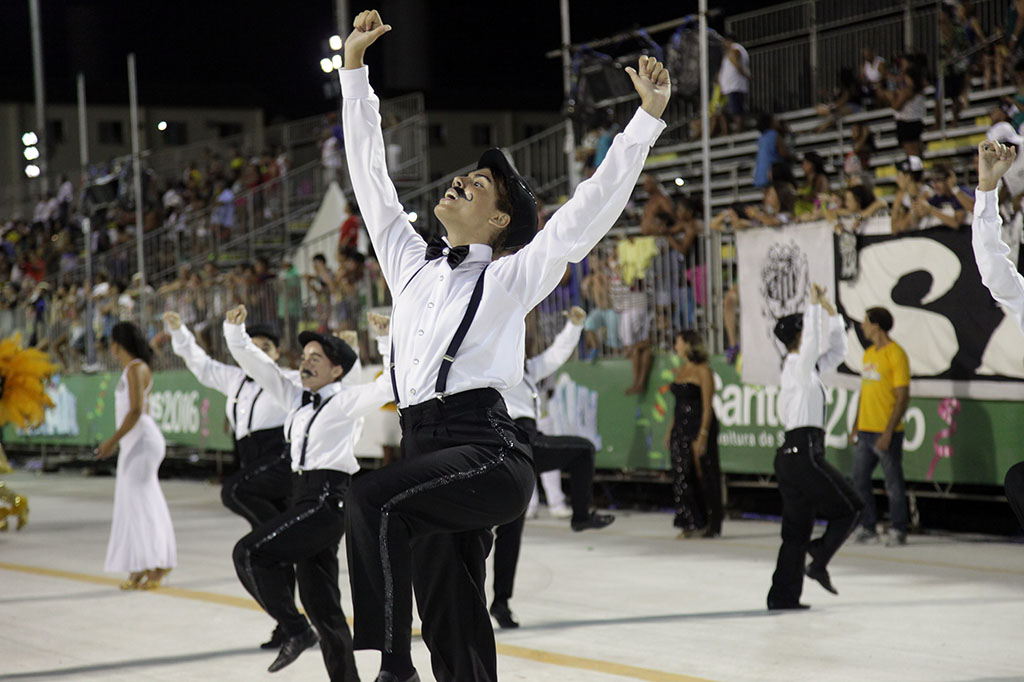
(309, 425)
(456, 343)
(252, 408)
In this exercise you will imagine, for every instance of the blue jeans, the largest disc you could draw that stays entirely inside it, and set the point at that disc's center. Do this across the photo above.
(865, 458)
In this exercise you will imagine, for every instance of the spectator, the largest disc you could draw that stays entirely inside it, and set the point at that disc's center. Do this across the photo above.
(943, 205)
(878, 433)
(348, 236)
(983, 55)
(681, 240)
(910, 188)
(848, 99)
(779, 205)
(659, 212)
(65, 196)
(908, 106)
(858, 159)
(222, 219)
(734, 78)
(1011, 51)
(1002, 131)
(859, 202)
(330, 158)
(602, 316)
(771, 149)
(953, 47)
(872, 71)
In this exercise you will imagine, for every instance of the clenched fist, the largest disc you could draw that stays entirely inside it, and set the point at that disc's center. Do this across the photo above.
(577, 315)
(994, 159)
(365, 30)
(653, 85)
(236, 315)
(172, 320)
(379, 324)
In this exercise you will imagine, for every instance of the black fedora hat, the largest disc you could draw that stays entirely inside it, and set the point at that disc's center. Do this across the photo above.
(788, 327)
(336, 350)
(264, 329)
(523, 224)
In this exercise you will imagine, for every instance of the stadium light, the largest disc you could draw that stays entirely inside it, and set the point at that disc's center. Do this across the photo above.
(29, 139)
(336, 62)
(335, 42)
(412, 216)
(31, 153)
(32, 170)
(161, 126)
(327, 65)
(680, 182)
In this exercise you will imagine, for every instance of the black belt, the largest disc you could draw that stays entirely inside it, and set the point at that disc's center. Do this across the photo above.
(315, 477)
(477, 398)
(814, 436)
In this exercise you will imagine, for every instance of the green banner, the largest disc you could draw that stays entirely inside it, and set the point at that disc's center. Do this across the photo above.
(947, 440)
(188, 413)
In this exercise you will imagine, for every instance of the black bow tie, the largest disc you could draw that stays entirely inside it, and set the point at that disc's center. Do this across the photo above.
(310, 397)
(456, 254)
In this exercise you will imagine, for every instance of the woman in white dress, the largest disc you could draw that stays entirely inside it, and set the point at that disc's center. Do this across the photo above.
(141, 534)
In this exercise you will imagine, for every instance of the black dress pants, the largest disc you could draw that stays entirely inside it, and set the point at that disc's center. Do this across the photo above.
(304, 539)
(261, 488)
(424, 523)
(810, 487)
(574, 454)
(1014, 486)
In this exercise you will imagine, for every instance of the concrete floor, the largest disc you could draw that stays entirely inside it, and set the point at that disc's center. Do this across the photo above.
(627, 603)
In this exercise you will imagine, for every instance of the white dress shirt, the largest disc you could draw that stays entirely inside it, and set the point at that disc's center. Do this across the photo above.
(523, 400)
(802, 396)
(427, 313)
(997, 271)
(333, 435)
(246, 399)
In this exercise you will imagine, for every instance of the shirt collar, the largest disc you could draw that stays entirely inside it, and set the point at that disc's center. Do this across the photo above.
(478, 253)
(330, 389)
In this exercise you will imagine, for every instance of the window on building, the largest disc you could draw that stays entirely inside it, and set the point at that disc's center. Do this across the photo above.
(438, 134)
(481, 135)
(176, 134)
(111, 132)
(54, 131)
(225, 128)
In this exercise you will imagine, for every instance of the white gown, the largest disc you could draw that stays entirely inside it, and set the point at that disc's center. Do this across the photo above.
(141, 533)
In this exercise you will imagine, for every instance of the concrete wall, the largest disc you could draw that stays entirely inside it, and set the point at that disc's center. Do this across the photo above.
(458, 148)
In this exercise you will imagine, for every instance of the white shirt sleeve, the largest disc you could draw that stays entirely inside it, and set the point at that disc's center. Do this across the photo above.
(997, 271)
(257, 364)
(810, 344)
(837, 345)
(208, 372)
(574, 229)
(360, 399)
(544, 365)
(400, 250)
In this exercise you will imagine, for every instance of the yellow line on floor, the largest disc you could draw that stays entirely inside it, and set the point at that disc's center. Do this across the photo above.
(536, 655)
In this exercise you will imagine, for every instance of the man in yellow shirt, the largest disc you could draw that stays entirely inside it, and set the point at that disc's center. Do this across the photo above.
(878, 433)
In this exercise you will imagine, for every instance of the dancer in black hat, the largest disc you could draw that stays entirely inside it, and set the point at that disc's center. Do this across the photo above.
(457, 335)
(260, 489)
(809, 485)
(323, 423)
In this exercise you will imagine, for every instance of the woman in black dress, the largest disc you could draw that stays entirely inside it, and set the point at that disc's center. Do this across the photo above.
(692, 440)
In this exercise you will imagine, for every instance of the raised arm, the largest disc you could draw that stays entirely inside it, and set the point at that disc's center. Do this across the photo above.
(997, 271)
(547, 363)
(400, 250)
(534, 271)
(258, 364)
(834, 354)
(208, 372)
(357, 400)
(810, 340)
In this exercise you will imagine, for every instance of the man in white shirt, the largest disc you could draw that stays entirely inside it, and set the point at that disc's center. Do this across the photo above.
(550, 453)
(457, 334)
(324, 422)
(734, 79)
(809, 485)
(997, 271)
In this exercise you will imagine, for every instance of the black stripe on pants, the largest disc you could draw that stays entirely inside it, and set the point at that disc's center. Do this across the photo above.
(424, 524)
(809, 487)
(574, 454)
(261, 489)
(305, 539)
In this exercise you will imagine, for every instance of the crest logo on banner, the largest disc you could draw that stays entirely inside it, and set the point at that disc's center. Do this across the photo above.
(776, 268)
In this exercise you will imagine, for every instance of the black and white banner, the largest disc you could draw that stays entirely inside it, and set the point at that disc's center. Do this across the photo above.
(959, 341)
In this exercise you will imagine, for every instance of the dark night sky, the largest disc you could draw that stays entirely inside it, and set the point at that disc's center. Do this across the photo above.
(464, 55)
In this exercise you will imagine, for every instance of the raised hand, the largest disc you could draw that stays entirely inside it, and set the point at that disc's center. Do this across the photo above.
(577, 315)
(365, 30)
(172, 319)
(349, 337)
(653, 85)
(994, 159)
(378, 324)
(236, 315)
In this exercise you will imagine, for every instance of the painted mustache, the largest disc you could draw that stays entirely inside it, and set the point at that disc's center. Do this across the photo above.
(305, 373)
(462, 193)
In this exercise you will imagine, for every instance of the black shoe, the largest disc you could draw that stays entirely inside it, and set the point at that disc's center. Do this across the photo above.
(385, 676)
(503, 614)
(277, 639)
(595, 520)
(292, 647)
(820, 573)
(785, 606)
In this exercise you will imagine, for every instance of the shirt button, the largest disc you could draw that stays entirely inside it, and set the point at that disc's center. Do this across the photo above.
(415, 361)
(419, 333)
(412, 391)
(430, 305)
(441, 277)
